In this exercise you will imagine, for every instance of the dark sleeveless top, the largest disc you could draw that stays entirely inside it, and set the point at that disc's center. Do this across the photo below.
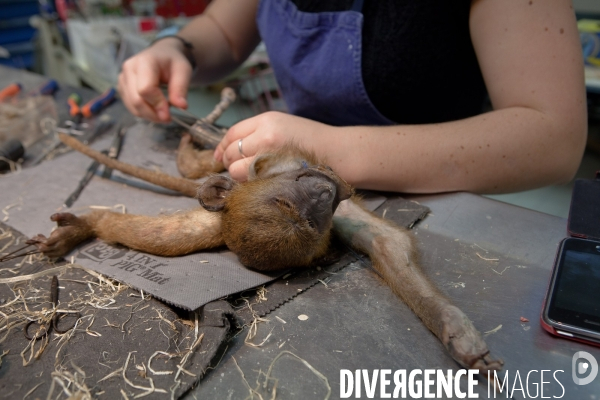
(418, 62)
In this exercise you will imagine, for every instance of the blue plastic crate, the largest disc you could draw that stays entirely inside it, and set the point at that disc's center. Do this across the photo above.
(14, 35)
(21, 61)
(14, 9)
(21, 54)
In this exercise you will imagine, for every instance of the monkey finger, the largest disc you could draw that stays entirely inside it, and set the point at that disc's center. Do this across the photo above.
(36, 240)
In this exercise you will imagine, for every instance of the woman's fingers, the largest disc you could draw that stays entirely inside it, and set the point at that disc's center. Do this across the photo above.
(239, 169)
(239, 131)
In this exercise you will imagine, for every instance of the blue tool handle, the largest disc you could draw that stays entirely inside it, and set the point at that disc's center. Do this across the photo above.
(49, 88)
(94, 106)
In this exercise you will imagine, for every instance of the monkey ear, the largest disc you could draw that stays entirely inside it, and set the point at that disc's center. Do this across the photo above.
(213, 192)
(266, 165)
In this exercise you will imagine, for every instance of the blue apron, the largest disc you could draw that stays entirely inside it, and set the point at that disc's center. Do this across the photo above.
(316, 58)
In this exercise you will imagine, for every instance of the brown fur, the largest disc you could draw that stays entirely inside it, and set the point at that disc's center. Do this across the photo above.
(283, 217)
(193, 163)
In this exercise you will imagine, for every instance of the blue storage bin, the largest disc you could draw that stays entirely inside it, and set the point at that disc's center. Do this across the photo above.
(16, 33)
(13, 9)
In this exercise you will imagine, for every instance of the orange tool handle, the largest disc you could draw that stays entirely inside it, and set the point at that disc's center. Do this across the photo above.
(10, 90)
(74, 101)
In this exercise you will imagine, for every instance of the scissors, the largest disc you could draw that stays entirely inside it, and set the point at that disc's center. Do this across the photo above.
(47, 327)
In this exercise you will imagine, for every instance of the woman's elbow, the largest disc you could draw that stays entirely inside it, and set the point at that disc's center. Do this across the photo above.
(569, 153)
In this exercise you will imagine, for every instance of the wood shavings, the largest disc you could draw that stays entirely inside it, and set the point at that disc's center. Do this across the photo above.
(8, 207)
(114, 373)
(54, 271)
(156, 353)
(247, 340)
(496, 329)
(475, 244)
(500, 273)
(6, 234)
(323, 282)
(487, 259)
(302, 317)
(148, 390)
(186, 356)
(5, 352)
(170, 323)
(252, 391)
(261, 294)
(32, 390)
(319, 375)
(457, 285)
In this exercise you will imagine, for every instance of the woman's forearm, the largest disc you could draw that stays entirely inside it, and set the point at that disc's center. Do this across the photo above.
(501, 151)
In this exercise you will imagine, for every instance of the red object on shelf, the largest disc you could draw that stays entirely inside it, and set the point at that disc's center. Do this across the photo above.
(148, 24)
(179, 8)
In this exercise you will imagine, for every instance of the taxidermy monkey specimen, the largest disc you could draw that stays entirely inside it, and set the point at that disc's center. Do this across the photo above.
(281, 218)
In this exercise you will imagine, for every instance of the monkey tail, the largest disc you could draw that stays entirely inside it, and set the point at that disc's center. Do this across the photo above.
(184, 186)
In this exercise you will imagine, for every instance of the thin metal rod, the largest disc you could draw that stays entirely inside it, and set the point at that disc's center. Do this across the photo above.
(13, 252)
(20, 255)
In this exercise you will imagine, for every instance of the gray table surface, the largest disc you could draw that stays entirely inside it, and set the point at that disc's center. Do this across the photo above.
(492, 259)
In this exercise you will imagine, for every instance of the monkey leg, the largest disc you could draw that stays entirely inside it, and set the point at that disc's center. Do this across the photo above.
(393, 253)
(194, 164)
(166, 235)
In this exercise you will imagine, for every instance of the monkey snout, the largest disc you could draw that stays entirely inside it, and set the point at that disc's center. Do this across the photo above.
(326, 192)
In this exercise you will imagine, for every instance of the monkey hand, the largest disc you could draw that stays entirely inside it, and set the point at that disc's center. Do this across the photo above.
(265, 132)
(464, 343)
(194, 164)
(70, 232)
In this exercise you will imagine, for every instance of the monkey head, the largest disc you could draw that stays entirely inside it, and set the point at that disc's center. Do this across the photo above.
(281, 217)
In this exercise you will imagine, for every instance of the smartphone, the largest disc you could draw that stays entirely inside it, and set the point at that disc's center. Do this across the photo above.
(572, 305)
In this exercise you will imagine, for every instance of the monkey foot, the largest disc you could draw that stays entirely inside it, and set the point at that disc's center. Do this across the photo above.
(70, 232)
(464, 342)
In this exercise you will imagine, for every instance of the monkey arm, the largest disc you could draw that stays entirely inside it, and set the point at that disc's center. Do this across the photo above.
(194, 164)
(393, 253)
(166, 235)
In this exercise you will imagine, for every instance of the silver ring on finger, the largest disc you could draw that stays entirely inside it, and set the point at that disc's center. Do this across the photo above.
(240, 148)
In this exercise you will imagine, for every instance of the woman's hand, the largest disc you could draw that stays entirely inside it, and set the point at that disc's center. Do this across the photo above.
(142, 75)
(264, 132)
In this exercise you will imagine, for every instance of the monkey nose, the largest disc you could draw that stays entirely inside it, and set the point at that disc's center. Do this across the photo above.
(326, 192)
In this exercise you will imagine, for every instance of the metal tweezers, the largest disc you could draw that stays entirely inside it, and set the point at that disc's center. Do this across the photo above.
(201, 131)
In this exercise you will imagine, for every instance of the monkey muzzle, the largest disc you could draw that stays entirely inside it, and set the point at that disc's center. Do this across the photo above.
(323, 190)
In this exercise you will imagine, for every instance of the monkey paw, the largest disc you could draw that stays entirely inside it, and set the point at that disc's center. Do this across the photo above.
(69, 233)
(194, 164)
(464, 342)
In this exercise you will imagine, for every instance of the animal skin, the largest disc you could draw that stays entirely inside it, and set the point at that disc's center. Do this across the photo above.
(282, 217)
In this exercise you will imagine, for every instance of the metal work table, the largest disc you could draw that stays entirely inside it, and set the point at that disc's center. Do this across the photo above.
(492, 259)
